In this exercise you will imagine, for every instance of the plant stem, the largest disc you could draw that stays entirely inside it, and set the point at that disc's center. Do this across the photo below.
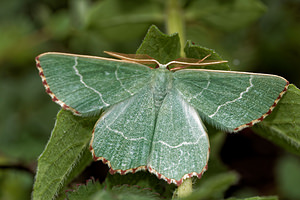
(175, 22)
(185, 188)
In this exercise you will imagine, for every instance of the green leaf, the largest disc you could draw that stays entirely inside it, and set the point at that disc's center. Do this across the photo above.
(61, 159)
(94, 190)
(85, 191)
(225, 15)
(113, 18)
(125, 192)
(140, 178)
(164, 48)
(83, 162)
(283, 125)
(214, 187)
(256, 198)
(198, 52)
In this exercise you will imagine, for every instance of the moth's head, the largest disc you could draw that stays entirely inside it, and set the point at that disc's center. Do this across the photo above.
(173, 65)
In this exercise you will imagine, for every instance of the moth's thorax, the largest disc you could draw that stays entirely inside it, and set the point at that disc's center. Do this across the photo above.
(161, 84)
(163, 66)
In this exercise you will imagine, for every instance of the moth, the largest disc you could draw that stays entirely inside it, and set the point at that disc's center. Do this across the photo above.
(153, 112)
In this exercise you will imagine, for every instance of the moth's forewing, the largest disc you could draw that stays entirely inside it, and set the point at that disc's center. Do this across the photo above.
(230, 100)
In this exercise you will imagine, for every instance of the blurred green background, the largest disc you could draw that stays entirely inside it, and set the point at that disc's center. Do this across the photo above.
(259, 36)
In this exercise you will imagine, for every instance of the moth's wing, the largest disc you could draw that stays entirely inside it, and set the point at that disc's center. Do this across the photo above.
(86, 84)
(230, 100)
(122, 137)
(180, 146)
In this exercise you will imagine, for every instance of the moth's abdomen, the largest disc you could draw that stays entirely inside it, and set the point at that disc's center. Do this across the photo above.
(162, 83)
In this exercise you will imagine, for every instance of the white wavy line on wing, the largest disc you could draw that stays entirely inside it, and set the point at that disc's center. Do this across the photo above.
(116, 74)
(81, 80)
(123, 109)
(126, 138)
(232, 101)
(200, 93)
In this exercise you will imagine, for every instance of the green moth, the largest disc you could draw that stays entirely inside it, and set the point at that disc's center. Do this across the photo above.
(153, 115)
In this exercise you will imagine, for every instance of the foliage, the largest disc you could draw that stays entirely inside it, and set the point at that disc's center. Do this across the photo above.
(214, 187)
(160, 46)
(283, 125)
(30, 27)
(65, 155)
(257, 198)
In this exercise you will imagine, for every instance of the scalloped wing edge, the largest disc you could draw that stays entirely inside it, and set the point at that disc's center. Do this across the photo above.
(47, 87)
(147, 168)
(49, 92)
(250, 124)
